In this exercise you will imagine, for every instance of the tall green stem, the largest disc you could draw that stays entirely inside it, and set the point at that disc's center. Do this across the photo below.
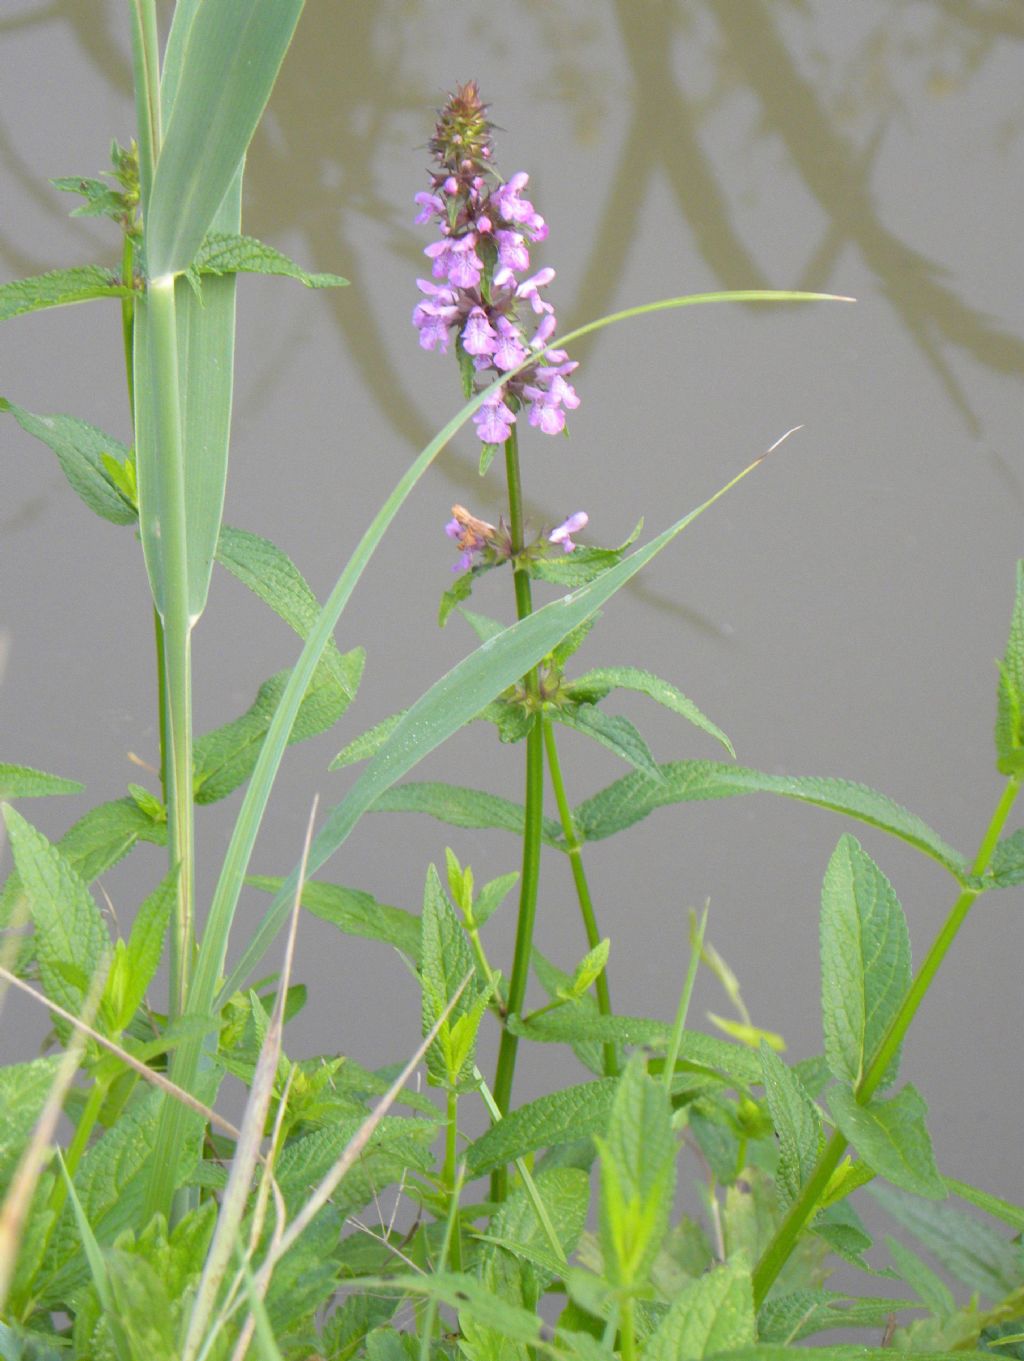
(803, 1209)
(579, 878)
(533, 820)
(177, 623)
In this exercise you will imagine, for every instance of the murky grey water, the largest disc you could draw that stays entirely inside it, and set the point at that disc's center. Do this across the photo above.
(839, 613)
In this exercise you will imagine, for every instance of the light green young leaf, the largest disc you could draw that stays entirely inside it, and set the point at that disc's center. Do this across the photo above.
(638, 1175)
(22, 782)
(231, 253)
(865, 961)
(446, 960)
(634, 796)
(58, 287)
(460, 807)
(590, 968)
(482, 625)
(1009, 734)
(593, 686)
(80, 450)
(355, 913)
(711, 1316)
(230, 61)
(797, 1124)
(558, 1118)
(145, 946)
(492, 895)
(224, 759)
(970, 1250)
(71, 939)
(892, 1138)
(142, 1307)
(613, 731)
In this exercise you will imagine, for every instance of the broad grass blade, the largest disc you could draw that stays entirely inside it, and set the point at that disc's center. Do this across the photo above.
(232, 55)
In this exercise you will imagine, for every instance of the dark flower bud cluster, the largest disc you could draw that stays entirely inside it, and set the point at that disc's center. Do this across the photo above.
(481, 285)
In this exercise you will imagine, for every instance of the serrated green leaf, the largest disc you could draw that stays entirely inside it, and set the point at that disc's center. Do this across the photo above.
(145, 944)
(24, 1088)
(272, 576)
(80, 450)
(367, 743)
(565, 1193)
(633, 797)
(970, 1250)
(93, 845)
(713, 1315)
(930, 1289)
(573, 641)
(865, 961)
(699, 1052)
(638, 1174)
(1007, 868)
(482, 625)
(355, 913)
(801, 1313)
(892, 1138)
(101, 199)
(1009, 732)
(593, 686)
(581, 566)
(569, 1114)
(842, 1229)
(461, 807)
(797, 1124)
(59, 287)
(231, 59)
(613, 731)
(470, 1297)
(224, 759)
(22, 782)
(398, 1144)
(143, 1307)
(231, 253)
(71, 939)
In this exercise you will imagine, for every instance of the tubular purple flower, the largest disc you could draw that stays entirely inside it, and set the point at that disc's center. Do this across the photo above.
(478, 335)
(494, 420)
(563, 534)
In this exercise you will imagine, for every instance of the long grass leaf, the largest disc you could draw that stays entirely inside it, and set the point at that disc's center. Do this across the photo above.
(232, 55)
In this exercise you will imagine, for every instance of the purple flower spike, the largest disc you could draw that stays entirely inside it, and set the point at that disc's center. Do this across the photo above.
(563, 534)
(484, 292)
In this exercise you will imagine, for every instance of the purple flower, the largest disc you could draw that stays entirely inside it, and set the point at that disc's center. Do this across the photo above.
(563, 534)
(478, 335)
(494, 420)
